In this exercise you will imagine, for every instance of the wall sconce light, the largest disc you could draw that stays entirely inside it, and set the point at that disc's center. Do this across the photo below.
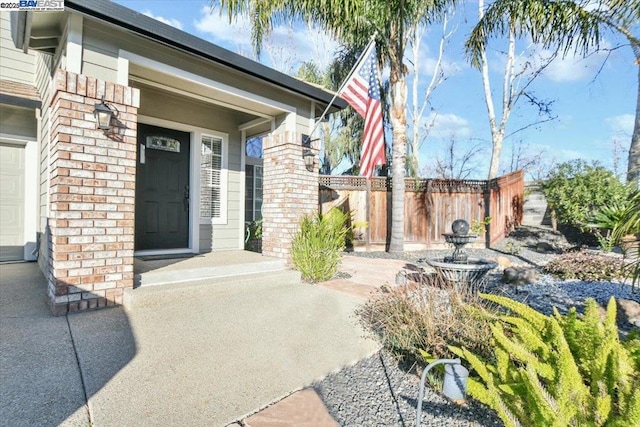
(309, 159)
(307, 153)
(103, 115)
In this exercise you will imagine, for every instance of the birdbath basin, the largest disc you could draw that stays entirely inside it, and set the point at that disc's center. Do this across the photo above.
(458, 267)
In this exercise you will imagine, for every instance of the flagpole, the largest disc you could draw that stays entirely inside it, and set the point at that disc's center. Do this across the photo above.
(324, 113)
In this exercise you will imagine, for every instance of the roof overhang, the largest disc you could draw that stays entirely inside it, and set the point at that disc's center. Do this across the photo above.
(17, 101)
(39, 31)
(144, 26)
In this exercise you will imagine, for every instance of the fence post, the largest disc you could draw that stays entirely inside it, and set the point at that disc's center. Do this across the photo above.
(488, 211)
(368, 216)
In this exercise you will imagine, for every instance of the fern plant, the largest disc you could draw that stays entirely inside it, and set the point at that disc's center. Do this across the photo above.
(558, 370)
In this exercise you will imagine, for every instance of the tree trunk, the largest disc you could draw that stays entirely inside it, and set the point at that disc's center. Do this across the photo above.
(633, 163)
(488, 98)
(399, 125)
(496, 150)
(414, 159)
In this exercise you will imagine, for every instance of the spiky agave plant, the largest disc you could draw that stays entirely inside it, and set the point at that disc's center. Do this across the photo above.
(630, 224)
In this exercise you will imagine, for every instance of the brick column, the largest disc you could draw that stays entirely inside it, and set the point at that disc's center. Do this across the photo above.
(289, 192)
(92, 194)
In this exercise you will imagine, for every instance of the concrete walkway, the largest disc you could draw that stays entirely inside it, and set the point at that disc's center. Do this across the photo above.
(40, 383)
(363, 277)
(186, 354)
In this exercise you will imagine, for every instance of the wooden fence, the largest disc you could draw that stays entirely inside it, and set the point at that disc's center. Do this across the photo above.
(431, 205)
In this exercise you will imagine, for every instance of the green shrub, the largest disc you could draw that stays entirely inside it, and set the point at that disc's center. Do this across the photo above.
(479, 227)
(575, 190)
(585, 265)
(255, 230)
(558, 370)
(317, 247)
(415, 319)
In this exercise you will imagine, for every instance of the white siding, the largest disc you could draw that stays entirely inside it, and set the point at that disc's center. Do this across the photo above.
(16, 65)
(43, 84)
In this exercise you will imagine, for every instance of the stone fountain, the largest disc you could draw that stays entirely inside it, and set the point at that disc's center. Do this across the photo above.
(458, 268)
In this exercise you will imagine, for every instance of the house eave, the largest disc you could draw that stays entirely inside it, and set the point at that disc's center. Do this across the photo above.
(144, 26)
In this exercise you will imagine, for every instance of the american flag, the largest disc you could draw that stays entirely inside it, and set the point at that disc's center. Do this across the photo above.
(362, 92)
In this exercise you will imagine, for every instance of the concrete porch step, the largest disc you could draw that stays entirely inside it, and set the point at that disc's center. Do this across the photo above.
(169, 275)
(170, 293)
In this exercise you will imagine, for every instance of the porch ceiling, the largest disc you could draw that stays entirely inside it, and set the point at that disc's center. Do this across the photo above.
(145, 88)
(235, 101)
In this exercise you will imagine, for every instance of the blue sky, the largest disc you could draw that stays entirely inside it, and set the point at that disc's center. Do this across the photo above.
(593, 98)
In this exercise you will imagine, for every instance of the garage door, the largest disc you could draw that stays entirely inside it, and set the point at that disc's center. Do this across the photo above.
(11, 203)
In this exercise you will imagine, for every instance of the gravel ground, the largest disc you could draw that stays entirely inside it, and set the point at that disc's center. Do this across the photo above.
(378, 392)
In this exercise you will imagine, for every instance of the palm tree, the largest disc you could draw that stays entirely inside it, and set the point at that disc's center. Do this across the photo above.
(352, 22)
(565, 25)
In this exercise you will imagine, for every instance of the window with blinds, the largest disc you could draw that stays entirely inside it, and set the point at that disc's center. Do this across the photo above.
(211, 177)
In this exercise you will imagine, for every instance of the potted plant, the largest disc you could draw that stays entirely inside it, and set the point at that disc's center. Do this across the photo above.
(253, 237)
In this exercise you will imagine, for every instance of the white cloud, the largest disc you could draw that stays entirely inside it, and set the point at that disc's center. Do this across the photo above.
(574, 67)
(427, 61)
(289, 45)
(284, 48)
(169, 21)
(447, 125)
(235, 35)
(621, 127)
(621, 124)
(570, 68)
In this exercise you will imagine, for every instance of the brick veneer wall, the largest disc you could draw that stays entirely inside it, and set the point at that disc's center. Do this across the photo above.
(92, 194)
(289, 192)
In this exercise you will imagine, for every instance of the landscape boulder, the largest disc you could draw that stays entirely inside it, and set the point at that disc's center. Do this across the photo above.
(545, 248)
(519, 276)
(503, 262)
(628, 311)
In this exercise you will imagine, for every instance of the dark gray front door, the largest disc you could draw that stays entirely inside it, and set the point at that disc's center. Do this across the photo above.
(162, 189)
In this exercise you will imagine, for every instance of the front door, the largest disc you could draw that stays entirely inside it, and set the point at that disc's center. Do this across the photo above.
(162, 189)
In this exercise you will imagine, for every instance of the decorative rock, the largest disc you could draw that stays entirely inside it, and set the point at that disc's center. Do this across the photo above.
(628, 311)
(545, 248)
(503, 262)
(519, 276)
